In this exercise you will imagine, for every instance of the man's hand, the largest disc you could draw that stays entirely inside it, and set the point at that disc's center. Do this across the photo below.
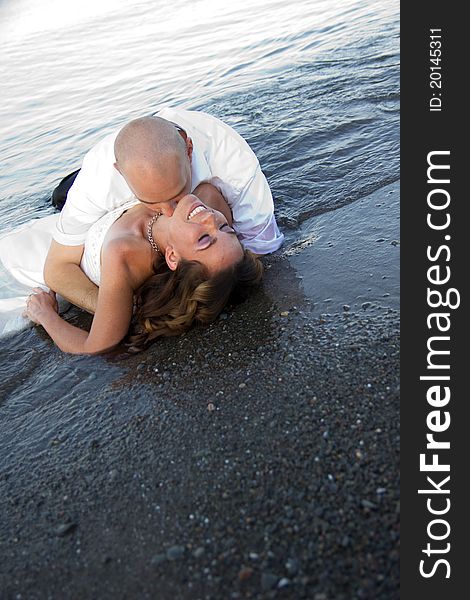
(62, 273)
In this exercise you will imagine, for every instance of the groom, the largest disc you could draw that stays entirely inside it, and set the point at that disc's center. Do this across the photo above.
(157, 160)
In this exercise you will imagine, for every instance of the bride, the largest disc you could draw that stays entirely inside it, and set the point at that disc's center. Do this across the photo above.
(157, 275)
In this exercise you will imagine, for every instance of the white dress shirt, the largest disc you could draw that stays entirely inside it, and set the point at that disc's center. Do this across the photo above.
(220, 157)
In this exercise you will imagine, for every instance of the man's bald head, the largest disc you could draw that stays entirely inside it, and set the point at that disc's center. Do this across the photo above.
(153, 158)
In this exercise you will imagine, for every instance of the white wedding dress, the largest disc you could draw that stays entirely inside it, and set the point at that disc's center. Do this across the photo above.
(23, 253)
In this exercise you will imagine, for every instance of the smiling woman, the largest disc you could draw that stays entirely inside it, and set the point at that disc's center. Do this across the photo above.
(198, 232)
(149, 294)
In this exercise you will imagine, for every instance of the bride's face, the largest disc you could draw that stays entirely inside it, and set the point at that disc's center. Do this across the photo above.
(198, 232)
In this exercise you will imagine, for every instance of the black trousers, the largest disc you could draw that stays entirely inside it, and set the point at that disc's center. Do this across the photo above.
(59, 195)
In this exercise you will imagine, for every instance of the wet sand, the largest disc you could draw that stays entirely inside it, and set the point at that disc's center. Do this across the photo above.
(256, 458)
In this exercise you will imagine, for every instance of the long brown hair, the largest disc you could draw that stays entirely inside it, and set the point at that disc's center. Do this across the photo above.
(170, 302)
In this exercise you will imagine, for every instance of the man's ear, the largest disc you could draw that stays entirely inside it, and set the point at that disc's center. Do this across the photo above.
(189, 148)
(172, 258)
(116, 166)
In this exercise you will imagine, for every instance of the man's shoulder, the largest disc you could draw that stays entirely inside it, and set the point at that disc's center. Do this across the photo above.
(191, 116)
(98, 178)
(102, 153)
(200, 123)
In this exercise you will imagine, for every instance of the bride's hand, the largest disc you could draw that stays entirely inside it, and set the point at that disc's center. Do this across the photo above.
(40, 303)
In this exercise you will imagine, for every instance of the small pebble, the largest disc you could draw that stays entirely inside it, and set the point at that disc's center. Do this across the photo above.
(346, 307)
(284, 313)
(268, 581)
(245, 573)
(282, 583)
(210, 407)
(64, 528)
(175, 552)
(292, 566)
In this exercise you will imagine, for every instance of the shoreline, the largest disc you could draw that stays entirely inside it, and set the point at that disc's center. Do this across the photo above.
(350, 256)
(254, 458)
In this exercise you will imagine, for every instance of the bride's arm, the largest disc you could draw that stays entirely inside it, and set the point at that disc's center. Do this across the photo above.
(113, 312)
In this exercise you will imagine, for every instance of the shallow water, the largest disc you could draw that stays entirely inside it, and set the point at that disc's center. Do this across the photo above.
(312, 86)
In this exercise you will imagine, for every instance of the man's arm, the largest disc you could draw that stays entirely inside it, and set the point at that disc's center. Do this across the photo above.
(236, 173)
(62, 273)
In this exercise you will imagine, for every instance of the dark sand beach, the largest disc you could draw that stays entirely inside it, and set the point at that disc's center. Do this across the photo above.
(256, 458)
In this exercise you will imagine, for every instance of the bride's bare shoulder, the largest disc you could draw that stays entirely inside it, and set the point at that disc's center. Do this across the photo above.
(129, 254)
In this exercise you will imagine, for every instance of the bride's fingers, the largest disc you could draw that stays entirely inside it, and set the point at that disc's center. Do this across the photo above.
(38, 290)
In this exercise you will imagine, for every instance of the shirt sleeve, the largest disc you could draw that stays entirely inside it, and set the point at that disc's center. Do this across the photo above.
(222, 157)
(254, 219)
(237, 173)
(97, 189)
(76, 218)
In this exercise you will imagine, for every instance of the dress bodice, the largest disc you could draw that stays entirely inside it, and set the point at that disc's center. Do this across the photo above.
(91, 259)
(23, 252)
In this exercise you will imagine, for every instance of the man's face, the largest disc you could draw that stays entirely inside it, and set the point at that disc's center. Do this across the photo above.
(161, 189)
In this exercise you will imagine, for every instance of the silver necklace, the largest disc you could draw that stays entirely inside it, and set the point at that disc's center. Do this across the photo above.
(149, 232)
